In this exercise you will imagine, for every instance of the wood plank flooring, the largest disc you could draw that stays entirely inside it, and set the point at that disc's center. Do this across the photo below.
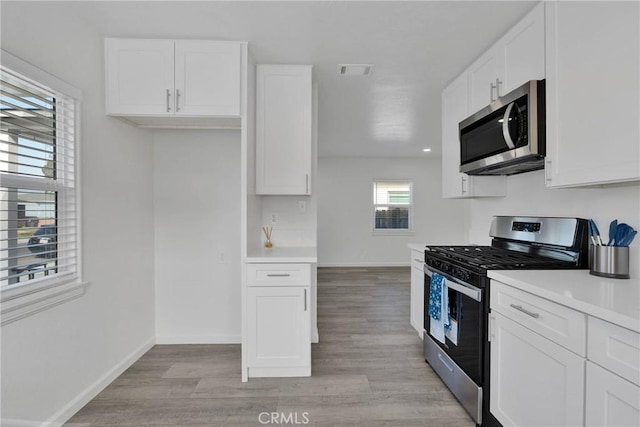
(368, 370)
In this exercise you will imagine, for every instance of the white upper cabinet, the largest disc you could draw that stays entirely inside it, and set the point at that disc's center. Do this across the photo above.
(593, 93)
(139, 76)
(172, 78)
(486, 78)
(283, 129)
(455, 108)
(512, 61)
(207, 78)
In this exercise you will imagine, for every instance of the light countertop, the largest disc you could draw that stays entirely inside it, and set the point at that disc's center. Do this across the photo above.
(614, 300)
(417, 246)
(283, 254)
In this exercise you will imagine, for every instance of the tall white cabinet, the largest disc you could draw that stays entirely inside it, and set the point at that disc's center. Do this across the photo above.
(283, 129)
(593, 92)
(165, 79)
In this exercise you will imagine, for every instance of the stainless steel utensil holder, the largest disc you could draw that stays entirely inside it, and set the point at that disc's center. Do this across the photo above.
(610, 261)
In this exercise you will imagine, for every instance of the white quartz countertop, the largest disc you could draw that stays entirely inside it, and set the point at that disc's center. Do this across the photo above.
(417, 246)
(302, 254)
(614, 300)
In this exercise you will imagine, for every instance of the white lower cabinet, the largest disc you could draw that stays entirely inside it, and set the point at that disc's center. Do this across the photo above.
(417, 291)
(534, 381)
(611, 400)
(556, 365)
(278, 320)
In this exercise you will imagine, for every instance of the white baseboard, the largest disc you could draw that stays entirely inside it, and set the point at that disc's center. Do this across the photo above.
(198, 339)
(365, 264)
(92, 391)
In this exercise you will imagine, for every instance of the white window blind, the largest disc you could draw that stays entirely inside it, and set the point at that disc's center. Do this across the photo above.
(392, 205)
(38, 200)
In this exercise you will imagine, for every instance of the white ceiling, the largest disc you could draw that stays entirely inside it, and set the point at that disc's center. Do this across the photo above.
(417, 47)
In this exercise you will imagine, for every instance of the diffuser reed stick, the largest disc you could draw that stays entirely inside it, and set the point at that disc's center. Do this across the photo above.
(267, 233)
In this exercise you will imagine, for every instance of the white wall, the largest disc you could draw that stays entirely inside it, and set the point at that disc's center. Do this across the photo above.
(53, 361)
(527, 195)
(345, 209)
(197, 236)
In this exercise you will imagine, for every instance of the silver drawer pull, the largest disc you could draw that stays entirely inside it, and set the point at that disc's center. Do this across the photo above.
(418, 260)
(446, 365)
(278, 275)
(527, 312)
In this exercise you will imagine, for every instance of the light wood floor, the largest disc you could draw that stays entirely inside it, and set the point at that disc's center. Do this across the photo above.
(368, 370)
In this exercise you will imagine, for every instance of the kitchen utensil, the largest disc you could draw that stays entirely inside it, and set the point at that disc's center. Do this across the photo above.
(593, 229)
(627, 239)
(621, 231)
(613, 229)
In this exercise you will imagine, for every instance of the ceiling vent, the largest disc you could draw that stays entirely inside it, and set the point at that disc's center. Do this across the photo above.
(355, 69)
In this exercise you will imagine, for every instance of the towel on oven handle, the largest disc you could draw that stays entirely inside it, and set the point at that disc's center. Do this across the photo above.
(438, 307)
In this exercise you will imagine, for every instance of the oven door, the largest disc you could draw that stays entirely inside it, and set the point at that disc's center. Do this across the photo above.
(463, 341)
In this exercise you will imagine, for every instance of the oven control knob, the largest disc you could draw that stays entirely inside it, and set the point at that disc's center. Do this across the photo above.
(447, 267)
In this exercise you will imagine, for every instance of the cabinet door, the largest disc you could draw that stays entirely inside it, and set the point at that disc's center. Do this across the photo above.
(279, 327)
(486, 79)
(283, 129)
(611, 400)
(534, 382)
(207, 78)
(593, 92)
(455, 108)
(523, 48)
(417, 300)
(139, 76)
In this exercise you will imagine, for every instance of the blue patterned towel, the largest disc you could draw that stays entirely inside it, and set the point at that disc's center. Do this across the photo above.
(438, 307)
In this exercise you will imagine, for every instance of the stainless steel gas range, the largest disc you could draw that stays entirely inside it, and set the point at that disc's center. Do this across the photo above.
(461, 355)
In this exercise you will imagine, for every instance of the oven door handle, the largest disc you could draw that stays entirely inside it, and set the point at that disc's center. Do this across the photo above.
(452, 283)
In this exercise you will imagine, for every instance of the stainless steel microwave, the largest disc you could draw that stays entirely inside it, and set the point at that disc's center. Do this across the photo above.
(508, 136)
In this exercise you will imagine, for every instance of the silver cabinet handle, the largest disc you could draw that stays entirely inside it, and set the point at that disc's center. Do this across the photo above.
(547, 170)
(525, 311)
(417, 260)
(307, 183)
(462, 181)
(305, 299)
(278, 275)
(498, 83)
(491, 88)
(168, 96)
(177, 100)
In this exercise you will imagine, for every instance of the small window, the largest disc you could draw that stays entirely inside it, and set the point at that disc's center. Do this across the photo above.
(392, 205)
(39, 221)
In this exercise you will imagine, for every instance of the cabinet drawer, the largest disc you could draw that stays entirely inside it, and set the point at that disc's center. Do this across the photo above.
(615, 348)
(553, 321)
(278, 274)
(417, 259)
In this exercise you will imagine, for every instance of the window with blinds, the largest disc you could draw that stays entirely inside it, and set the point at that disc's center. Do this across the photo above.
(38, 212)
(392, 205)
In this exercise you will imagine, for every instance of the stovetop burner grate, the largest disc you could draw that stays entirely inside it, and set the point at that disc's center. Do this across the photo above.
(489, 257)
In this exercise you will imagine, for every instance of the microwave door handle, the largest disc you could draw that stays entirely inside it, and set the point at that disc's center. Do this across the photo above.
(505, 127)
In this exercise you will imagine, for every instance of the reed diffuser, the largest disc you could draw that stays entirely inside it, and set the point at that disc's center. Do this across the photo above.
(267, 233)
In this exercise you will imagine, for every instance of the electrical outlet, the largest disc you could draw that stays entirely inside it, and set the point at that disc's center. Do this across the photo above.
(302, 206)
(274, 218)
